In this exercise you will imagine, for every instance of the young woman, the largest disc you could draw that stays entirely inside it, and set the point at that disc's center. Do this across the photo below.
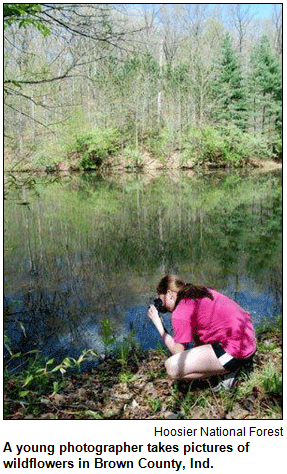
(220, 328)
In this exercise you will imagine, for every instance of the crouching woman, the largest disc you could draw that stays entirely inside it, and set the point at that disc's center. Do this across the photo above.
(221, 330)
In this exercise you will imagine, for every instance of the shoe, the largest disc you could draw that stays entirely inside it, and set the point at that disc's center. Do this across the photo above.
(227, 381)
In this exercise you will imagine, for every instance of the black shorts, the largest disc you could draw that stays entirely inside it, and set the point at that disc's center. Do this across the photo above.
(230, 363)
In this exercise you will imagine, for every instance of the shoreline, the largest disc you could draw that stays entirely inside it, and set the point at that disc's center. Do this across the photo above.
(148, 165)
(138, 388)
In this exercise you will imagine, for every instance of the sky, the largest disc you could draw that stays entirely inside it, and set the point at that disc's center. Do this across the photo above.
(260, 10)
(263, 10)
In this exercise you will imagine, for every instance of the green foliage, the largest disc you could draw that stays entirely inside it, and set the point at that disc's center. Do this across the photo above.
(267, 69)
(133, 157)
(95, 147)
(70, 362)
(25, 14)
(161, 142)
(127, 377)
(150, 97)
(272, 379)
(127, 349)
(228, 145)
(40, 375)
(122, 350)
(155, 403)
(107, 333)
(268, 378)
(215, 145)
(266, 86)
(45, 154)
(265, 327)
(228, 89)
(259, 392)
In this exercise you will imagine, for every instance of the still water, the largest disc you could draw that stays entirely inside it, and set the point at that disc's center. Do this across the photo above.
(81, 249)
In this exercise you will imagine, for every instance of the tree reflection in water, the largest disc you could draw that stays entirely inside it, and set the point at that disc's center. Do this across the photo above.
(87, 249)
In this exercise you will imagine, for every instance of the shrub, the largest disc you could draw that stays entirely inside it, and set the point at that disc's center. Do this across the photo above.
(95, 147)
(227, 145)
(205, 144)
(161, 143)
(133, 157)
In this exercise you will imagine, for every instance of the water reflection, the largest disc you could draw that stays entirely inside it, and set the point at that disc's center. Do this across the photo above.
(84, 249)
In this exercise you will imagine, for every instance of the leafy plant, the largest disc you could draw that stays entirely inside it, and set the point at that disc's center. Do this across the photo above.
(127, 377)
(155, 403)
(107, 333)
(127, 349)
(24, 14)
(272, 379)
(39, 374)
(95, 147)
(134, 157)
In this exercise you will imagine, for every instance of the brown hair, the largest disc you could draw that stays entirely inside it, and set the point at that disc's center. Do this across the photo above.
(183, 290)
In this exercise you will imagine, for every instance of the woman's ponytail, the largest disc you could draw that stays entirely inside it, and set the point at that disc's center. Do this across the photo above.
(194, 292)
(183, 290)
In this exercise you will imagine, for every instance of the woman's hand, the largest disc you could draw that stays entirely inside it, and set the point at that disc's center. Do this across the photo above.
(153, 315)
(168, 340)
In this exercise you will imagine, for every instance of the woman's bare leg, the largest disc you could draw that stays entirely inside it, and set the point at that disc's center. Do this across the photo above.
(195, 363)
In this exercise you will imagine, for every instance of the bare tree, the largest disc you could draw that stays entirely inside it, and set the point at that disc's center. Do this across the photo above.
(241, 17)
(51, 49)
(277, 20)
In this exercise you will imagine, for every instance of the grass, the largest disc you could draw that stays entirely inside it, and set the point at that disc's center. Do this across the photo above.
(134, 385)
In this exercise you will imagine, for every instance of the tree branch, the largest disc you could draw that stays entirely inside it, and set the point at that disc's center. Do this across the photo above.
(29, 116)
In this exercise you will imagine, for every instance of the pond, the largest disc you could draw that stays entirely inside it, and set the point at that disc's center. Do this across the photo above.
(81, 249)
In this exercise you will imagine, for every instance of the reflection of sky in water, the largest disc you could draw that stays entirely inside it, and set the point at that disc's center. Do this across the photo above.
(66, 271)
(259, 305)
(144, 329)
(70, 340)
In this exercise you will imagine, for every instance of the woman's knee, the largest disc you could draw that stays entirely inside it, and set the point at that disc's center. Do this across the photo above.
(172, 368)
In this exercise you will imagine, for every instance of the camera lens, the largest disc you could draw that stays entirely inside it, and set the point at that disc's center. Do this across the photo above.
(159, 306)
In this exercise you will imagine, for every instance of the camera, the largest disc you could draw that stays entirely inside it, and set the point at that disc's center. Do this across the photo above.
(159, 306)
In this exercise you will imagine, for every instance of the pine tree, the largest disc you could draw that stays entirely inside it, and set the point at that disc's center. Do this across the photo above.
(228, 89)
(266, 88)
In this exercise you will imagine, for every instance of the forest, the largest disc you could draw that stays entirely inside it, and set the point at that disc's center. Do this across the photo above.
(88, 85)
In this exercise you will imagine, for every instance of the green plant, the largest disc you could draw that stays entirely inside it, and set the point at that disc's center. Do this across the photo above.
(93, 414)
(133, 157)
(107, 334)
(161, 350)
(39, 375)
(161, 142)
(203, 144)
(189, 401)
(122, 353)
(267, 327)
(127, 377)
(271, 379)
(155, 404)
(127, 349)
(229, 144)
(263, 348)
(69, 362)
(95, 147)
(151, 374)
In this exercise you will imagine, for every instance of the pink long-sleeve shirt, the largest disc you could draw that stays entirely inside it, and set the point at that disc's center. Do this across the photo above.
(219, 320)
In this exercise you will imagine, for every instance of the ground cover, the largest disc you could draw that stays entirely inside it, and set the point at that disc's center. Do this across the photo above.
(135, 386)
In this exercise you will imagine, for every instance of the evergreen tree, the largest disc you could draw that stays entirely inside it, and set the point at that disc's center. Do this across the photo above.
(266, 88)
(228, 90)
